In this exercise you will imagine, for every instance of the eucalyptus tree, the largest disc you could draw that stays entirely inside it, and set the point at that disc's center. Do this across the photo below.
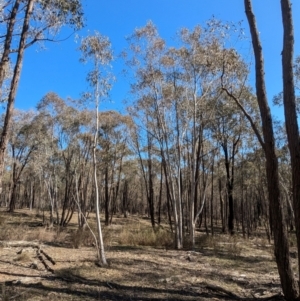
(25, 135)
(41, 164)
(267, 141)
(229, 131)
(152, 109)
(25, 23)
(70, 128)
(142, 145)
(199, 83)
(290, 111)
(96, 49)
(280, 236)
(66, 157)
(285, 179)
(55, 169)
(113, 150)
(84, 169)
(176, 92)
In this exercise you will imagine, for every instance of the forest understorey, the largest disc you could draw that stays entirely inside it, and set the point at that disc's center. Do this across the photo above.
(49, 267)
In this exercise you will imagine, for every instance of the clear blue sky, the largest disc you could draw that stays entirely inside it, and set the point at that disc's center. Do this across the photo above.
(57, 68)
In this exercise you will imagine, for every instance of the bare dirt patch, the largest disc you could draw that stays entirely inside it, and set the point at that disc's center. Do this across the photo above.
(221, 268)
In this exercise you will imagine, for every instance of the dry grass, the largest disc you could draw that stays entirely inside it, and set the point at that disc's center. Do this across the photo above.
(24, 256)
(142, 264)
(145, 237)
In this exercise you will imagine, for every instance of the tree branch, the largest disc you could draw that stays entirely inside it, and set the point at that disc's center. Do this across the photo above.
(254, 127)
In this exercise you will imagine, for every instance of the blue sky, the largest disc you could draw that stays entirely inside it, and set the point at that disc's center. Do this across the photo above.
(57, 69)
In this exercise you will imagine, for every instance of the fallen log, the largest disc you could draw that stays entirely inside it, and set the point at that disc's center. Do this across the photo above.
(48, 257)
(40, 257)
(219, 289)
(19, 244)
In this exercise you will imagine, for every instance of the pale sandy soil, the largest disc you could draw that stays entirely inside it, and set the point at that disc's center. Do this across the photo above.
(221, 268)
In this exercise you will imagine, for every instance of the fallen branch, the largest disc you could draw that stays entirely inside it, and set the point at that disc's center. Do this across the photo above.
(269, 298)
(219, 289)
(48, 257)
(40, 257)
(21, 244)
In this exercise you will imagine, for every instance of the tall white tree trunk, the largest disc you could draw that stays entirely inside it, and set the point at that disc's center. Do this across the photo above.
(100, 247)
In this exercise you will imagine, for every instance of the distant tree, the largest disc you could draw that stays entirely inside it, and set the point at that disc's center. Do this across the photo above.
(113, 150)
(229, 127)
(176, 93)
(25, 140)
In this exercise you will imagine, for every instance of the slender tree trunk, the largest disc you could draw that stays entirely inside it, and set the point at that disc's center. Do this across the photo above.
(290, 111)
(212, 199)
(150, 194)
(242, 201)
(160, 195)
(280, 234)
(222, 206)
(100, 248)
(14, 86)
(7, 44)
(229, 188)
(107, 196)
(125, 199)
(169, 207)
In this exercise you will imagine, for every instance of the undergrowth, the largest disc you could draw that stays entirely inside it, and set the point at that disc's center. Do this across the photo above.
(146, 237)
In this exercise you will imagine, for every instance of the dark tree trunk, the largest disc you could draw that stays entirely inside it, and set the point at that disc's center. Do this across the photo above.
(169, 202)
(12, 203)
(8, 39)
(290, 111)
(212, 199)
(107, 198)
(222, 207)
(229, 186)
(150, 194)
(279, 229)
(14, 83)
(125, 199)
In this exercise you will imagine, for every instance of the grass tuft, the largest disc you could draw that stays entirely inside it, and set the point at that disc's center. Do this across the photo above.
(23, 257)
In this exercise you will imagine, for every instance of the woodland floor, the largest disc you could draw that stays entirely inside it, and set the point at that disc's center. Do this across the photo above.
(220, 268)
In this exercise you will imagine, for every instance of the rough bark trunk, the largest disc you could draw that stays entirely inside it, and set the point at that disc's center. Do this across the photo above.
(221, 206)
(13, 86)
(229, 188)
(280, 234)
(290, 111)
(7, 44)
